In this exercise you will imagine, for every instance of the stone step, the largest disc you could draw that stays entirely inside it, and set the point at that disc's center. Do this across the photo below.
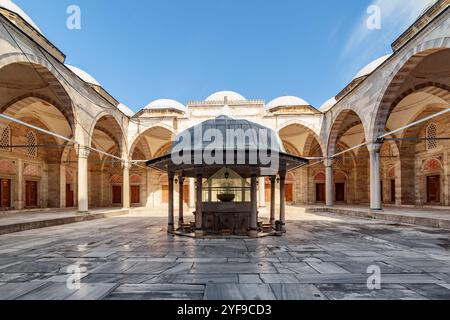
(413, 219)
(45, 223)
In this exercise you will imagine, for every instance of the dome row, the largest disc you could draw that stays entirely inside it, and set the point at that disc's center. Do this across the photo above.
(285, 101)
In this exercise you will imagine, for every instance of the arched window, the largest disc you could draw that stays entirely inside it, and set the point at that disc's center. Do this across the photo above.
(5, 139)
(431, 135)
(31, 144)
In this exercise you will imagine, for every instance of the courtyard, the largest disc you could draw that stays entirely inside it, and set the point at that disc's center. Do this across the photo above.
(322, 257)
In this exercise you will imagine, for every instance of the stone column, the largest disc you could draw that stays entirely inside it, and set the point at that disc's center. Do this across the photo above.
(126, 186)
(375, 180)
(181, 201)
(20, 198)
(191, 193)
(83, 200)
(283, 200)
(253, 217)
(273, 181)
(170, 220)
(262, 192)
(329, 182)
(199, 207)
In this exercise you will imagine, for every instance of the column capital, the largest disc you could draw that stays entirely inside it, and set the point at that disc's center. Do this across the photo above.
(328, 162)
(83, 152)
(126, 165)
(374, 147)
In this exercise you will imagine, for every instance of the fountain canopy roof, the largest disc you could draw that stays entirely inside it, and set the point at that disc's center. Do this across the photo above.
(243, 146)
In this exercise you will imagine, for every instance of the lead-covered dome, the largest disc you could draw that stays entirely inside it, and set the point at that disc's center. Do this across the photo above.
(125, 109)
(230, 95)
(286, 101)
(83, 75)
(161, 104)
(328, 105)
(244, 130)
(371, 67)
(14, 8)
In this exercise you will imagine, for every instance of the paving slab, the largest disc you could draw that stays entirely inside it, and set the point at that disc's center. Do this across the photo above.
(239, 292)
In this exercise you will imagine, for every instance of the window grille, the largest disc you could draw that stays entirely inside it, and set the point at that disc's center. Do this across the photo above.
(31, 144)
(5, 139)
(431, 133)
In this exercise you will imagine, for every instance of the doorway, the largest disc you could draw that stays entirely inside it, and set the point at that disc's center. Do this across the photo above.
(5, 193)
(340, 192)
(320, 192)
(116, 194)
(289, 196)
(31, 194)
(434, 189)
(135, 195)
(165, 194)
(69, 196)
(393, 195)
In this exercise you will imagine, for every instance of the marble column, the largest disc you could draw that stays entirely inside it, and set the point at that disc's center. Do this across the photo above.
(283, 200)
(20, 198)
(199, 207)
(83, 200)
(126, 185)
(262, 192)
(170, 220)
(273, 181)
(329, 182)
(254, 214)
(181, 201)
(375, 178)
(191, 193)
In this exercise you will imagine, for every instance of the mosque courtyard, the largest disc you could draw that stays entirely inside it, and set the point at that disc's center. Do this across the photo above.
(321, 257)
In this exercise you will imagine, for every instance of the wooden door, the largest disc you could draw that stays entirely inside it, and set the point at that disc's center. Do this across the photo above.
(393, 195)
(434, 189)
(289, 196)
(5, 193)
(31, 194)
(381, 192)
(186, 194)
(165, 194)
(320, 192)
(135, 194)
(69, 196)
(116, 194)
(340, 192)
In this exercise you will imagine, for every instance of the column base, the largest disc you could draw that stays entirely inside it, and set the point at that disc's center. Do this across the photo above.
(170, 228)
(199, 234)
(253, 233)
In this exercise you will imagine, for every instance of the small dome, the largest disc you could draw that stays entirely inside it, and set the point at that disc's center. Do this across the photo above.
(165, 104)
(328, 105)
(11, 6)
(286, 101)
(371, 67)
(220, 96)
(83, 75)
(125, 109)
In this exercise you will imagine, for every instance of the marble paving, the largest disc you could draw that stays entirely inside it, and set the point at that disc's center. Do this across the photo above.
(132, 257)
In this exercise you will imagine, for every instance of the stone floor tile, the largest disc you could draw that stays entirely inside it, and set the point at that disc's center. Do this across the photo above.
(239, 292)
(157, 292)
(296, 292)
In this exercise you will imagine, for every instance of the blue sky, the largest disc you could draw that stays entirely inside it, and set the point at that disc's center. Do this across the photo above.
(142, 50)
